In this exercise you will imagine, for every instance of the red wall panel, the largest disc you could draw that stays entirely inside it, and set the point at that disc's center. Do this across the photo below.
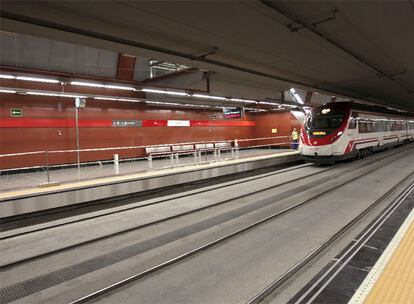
(48, 124)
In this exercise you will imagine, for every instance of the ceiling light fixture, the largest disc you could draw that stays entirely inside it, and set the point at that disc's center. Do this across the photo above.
(209, 97)
(99, 85)
(36, 79)
(117, 99)
(54, 94)
(174, 93)
(296, 96)
(243, 100)
(7, 91)
(6, 76)
(268, 103)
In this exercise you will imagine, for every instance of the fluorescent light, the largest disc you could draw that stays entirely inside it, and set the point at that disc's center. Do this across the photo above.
(54, 94)
(99, 85)
(165, 92)
(36, 79)
(268, 103)
(87, 84)
(163, 103)
(117, 99)
(7, 91)
(6, 76)
(116, 87)
(208, 97)
(243, 100)
(255, 110)
(296, 96)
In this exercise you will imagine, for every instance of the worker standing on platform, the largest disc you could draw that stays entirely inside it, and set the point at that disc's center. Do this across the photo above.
(295, 138)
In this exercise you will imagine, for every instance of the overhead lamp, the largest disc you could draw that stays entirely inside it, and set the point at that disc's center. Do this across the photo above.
(37, 79)
(6, 76)
(243, 100)
(163, 103)
(209, 97)
(100, 85)
(174, 93)
(117, 99)
(7, 91)
(87, 84)
(268, 103)
(296, 96)
(54, 94)
(116, 87)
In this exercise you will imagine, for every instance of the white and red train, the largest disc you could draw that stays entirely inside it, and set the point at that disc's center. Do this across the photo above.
(344, 130)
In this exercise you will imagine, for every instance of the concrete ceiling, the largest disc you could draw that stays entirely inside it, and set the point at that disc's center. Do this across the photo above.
(362, 49)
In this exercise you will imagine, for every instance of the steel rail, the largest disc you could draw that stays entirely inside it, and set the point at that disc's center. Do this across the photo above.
(271, 288)
(359, 243)
(13, 264)
(188, 254)
(178, 197)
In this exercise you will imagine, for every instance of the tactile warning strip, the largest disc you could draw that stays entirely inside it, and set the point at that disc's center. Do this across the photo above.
(391, 281)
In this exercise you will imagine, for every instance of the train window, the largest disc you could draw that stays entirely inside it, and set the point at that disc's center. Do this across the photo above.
(362, 127)
(352, 123)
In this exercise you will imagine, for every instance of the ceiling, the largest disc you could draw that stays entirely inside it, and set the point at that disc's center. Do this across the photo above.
(361, 49)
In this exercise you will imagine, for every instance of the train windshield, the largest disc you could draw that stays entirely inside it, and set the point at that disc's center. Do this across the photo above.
(325, 118)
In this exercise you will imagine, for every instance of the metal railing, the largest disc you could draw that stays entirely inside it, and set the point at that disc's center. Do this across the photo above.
(212, 150)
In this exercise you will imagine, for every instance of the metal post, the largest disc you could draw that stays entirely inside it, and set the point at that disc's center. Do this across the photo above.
(150, 161)
(176, 159)
(215, 153)
(116, 163)
(77, 136)
(195, 157)
(47, 166)
(172, 159)
(219, 153)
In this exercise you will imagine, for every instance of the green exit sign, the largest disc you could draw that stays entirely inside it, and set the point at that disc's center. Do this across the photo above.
(16, 112)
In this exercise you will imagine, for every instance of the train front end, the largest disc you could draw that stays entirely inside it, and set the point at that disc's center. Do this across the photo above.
(323, 136)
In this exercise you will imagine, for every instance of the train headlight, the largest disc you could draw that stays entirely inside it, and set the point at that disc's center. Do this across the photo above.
(335, 137)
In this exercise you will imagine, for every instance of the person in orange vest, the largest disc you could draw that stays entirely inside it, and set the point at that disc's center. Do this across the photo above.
(295, 139)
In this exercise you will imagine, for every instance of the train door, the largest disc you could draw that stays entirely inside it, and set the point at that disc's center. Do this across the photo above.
(383, 128)
(352, 130)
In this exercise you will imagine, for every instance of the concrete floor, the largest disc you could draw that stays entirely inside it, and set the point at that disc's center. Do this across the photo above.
(231, 272)
(14, 181)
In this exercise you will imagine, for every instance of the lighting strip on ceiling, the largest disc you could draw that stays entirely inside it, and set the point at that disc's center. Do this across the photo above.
(29, 78)
(53, 94)
(243, 100)
(296, 96)
(117, 99)
(7, 91)
(99, 85)
(209, 97)
(173, 93)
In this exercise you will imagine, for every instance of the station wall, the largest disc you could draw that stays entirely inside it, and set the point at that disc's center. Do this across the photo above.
(48, 123)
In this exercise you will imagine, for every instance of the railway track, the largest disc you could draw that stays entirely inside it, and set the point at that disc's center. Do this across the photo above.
(269, 289)
(373, 165)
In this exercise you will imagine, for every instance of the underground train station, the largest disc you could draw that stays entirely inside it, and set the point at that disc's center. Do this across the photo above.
(207, 152)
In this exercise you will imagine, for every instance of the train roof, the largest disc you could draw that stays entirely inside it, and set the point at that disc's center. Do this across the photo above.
(369, 108)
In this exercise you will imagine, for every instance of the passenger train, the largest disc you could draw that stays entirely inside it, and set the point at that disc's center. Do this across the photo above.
(346, 130)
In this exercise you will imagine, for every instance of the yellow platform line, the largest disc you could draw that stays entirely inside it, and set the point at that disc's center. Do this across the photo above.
(391, 280)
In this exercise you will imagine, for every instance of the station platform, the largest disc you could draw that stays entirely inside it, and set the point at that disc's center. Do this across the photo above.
(106, 182)
(10, 181)
(392, 278)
